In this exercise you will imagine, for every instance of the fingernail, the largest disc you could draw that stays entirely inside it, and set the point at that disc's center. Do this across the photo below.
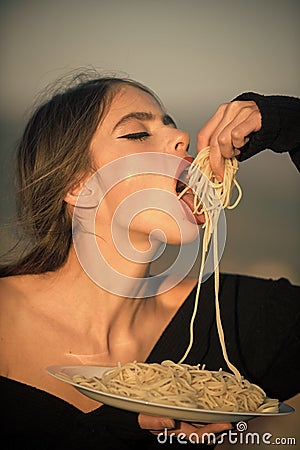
(168, 423)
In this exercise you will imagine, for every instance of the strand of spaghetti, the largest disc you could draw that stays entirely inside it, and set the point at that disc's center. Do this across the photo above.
(239, 189)
(205, 243)
(198, 207)
(217, 309)
(195, 309)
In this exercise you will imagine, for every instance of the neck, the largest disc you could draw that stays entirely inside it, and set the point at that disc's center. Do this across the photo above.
(105, 322)
(119, 267)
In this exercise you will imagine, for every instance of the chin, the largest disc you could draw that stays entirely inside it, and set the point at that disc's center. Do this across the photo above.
(188, 238)
(183, 232)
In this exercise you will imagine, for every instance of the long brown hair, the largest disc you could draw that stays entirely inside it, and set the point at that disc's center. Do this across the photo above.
(53, 152)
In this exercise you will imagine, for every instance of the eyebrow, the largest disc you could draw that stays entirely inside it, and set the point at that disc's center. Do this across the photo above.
(143, 116)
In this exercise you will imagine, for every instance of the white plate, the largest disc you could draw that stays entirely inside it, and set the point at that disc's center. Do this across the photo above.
(65, 373)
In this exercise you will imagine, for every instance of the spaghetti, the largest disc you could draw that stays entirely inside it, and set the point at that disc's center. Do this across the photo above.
(181, 385)
(209, 197)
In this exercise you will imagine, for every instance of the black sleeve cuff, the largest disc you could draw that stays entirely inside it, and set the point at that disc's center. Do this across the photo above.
(270, 126)
(280, 129)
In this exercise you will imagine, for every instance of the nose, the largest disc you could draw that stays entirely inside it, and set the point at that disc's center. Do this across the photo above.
(181, 142)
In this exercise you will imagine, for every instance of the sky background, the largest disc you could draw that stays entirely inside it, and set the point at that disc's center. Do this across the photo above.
(195, 54)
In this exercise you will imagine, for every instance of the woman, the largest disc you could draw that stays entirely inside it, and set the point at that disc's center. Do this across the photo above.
(52, 312)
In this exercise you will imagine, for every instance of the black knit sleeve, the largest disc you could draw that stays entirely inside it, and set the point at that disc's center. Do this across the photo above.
(280, 130)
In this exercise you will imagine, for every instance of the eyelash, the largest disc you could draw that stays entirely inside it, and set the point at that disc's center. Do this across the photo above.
(136, 136)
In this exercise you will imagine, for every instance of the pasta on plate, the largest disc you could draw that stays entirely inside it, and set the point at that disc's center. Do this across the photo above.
(181, 385)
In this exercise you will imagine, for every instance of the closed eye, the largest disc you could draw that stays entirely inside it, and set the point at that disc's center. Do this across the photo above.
(141, 136)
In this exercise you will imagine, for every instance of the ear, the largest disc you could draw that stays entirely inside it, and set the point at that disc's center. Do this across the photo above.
(76, 189)
(72, 196)
(84, 193)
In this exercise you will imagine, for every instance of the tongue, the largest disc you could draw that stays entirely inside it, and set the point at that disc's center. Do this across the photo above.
(188, 199)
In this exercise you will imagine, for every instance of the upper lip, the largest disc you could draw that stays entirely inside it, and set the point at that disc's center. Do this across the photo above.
(181, 174)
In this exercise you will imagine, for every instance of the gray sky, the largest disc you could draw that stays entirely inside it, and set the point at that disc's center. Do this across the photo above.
(195, 54)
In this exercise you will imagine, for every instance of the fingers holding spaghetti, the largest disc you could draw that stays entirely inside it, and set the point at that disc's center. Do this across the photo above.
(227, 131)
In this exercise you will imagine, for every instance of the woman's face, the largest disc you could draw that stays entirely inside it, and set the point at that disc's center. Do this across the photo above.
(135, 124)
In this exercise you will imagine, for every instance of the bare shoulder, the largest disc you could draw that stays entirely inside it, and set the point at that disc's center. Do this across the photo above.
(22, 285)
(11, 316)
(10, 288)
(16, 293)
(13, 293)
(15, 288)
(20, 321)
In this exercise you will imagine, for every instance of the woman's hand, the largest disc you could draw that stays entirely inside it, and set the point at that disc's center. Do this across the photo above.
(227, 131)
(171, 427)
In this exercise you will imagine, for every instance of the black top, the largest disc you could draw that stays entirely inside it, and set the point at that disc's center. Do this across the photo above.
(260, 319)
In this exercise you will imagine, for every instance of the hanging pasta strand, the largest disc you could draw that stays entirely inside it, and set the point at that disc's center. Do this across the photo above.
(210, 196)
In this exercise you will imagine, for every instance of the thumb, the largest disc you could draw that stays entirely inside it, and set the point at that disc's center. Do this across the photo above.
(147, 422)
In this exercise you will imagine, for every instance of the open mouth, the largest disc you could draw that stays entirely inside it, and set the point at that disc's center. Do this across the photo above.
(185, 192)
(182, 184)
